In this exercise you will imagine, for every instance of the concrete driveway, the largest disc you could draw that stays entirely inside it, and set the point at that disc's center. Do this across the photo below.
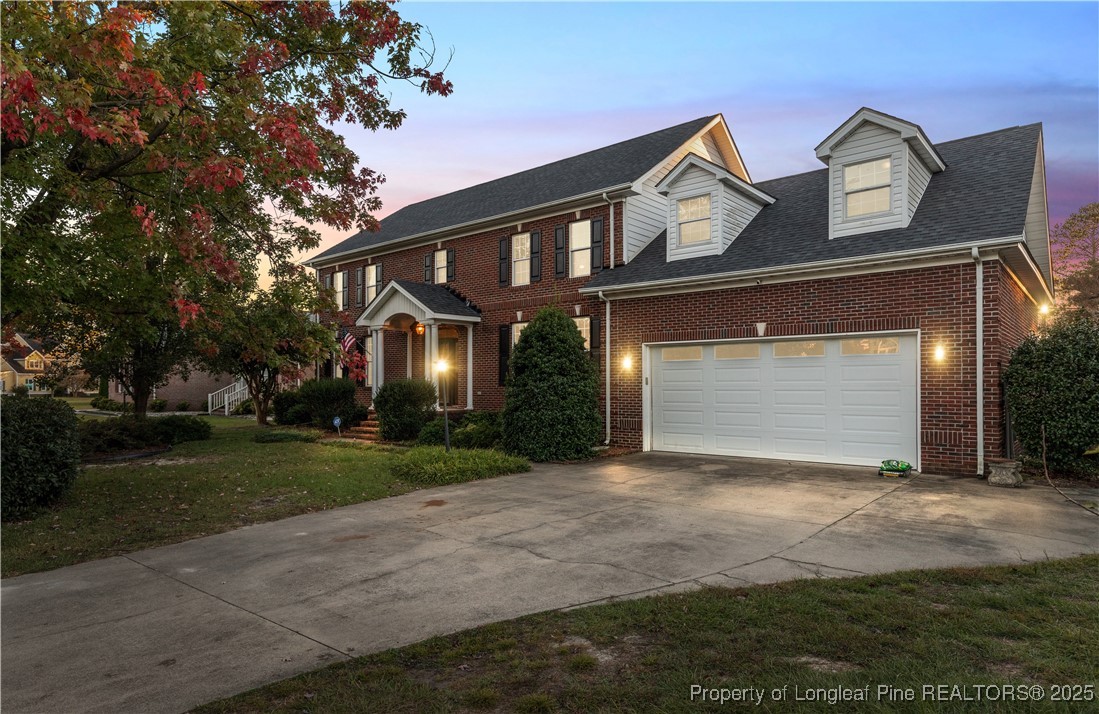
(166, 629)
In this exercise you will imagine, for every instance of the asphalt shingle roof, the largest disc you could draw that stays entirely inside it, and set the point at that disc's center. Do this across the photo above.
(982, 195)
(438, 299)
(586, 173)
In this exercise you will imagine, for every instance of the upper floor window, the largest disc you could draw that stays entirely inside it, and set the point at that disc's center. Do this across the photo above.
(373, 281)
(693, 216)
(34, 363)
(520, 259)
(340, 285)
(867, 188)
(440, 266)
(579, 249)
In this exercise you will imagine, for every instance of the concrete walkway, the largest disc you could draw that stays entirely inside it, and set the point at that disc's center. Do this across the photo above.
(166, 629)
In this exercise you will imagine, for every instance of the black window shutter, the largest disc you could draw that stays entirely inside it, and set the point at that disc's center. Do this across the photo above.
(427, 268)
(505, 352)
(359, 287)
(449, 265)
(597, 244)
(595, 344)
(504, 257)
(346, 289)
(378, 277)
(328, 281)
(560, 265)
(535, 256)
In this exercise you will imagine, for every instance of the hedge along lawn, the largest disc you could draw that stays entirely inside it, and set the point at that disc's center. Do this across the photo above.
(1032, 624)
(198, 488)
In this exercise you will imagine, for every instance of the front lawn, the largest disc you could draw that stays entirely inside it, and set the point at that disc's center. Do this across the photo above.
(1021, 625)
(198, 488)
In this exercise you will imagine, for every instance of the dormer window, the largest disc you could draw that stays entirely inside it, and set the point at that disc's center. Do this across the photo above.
(694, 219)
(867, 187)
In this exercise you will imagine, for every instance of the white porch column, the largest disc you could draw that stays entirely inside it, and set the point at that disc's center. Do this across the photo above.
(469, 367)
(379, 360)
(374, 351)
(408, 351)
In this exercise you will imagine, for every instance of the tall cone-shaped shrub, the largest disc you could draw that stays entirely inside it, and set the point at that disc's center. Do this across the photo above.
(551, 405)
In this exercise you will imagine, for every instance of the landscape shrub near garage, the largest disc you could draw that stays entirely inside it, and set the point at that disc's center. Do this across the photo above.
(434, 466)
(1053, 381)
(404, 406)
(41, 453)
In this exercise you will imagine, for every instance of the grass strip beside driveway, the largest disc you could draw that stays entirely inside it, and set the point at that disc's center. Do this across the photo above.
(1021, 625)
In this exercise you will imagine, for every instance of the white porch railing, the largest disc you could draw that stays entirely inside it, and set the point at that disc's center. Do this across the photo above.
(227, 398)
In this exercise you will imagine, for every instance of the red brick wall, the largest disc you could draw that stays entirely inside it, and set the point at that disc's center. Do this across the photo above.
(476, 278)
(937, 301)
(1009, 317)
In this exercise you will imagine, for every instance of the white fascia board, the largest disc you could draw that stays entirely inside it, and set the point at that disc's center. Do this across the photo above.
(908, 131)
(636, 185)
(445, 233)
(846, 266)
(732, 180)
(428, 315)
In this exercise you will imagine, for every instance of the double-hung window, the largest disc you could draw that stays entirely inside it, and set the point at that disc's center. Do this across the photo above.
(440, 266)
(373, 281)
(579, 249)
(520, 259)
(867, 188)
(693, 219)
(582, 323)
(340, 286)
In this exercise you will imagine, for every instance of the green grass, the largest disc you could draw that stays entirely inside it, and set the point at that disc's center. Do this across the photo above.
(434, 466)
(1032, 624)
(198, 488)
(77, 402)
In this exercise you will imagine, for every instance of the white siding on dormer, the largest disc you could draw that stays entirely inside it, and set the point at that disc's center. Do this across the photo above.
(867, 143)
(737, 211)
(918, 178)
(646, 213)
(693, 182)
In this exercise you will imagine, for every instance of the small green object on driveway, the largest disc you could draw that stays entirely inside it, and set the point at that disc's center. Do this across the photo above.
(336, 421)
(892, 468)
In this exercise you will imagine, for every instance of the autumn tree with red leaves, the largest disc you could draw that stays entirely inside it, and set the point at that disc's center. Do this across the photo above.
(154, 152)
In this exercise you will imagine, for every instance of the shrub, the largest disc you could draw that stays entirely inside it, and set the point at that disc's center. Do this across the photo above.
(245, 407)
(329, 398)
(433, 466)
(404, 406)
(279, 437)
(178, 428)
(107, 404)
(183, 407)
(1053, 379)
(432, 433)
(205, 406)
(127, 433)
(551, 408)
(282, 403)
(41, 454)
(158, 405)
(21, 391)
(478, 430)
(298, 414)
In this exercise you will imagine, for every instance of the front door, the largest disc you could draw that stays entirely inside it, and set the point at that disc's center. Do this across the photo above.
(448, 350)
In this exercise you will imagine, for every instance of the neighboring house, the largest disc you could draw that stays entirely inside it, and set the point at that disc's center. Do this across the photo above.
(851, 314)
(23, 364)
(193, 390)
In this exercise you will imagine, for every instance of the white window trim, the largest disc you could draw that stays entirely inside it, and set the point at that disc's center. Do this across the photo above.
(573, 251)
(708, 218)
(516, 330)
(372, 286)
(889, 184)
(515, 261)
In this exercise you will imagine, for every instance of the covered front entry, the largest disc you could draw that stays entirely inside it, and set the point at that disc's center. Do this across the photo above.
(848, 400)
(437, 327)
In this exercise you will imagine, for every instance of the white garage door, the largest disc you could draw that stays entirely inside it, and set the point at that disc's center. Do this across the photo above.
(850, 400)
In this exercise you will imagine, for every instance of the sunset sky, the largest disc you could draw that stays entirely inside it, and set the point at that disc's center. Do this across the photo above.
(537, 82)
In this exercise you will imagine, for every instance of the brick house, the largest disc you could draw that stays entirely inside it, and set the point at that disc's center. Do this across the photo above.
(845, 315)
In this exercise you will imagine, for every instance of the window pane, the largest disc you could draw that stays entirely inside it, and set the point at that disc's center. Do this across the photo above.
(866, 202)
(694, 232)
(520, 272)
(680, 354)
(516, 330)
(584, 325)
(371, 293)
(690, 209)
(520, 246)
(736, 351)
(799, 349)
(372, 274)
(867, 175)
(870, 346)
(581, 263)
(580, 235)
(440, 266)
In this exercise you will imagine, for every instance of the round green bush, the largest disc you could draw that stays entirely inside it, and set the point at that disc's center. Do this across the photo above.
(478, 430)
(41, 454)
(551, 408)
(158, 405)
(297, 415)
(1053, 380)
(433, 435)
(404, 406)
(282, 403)
(329, 398)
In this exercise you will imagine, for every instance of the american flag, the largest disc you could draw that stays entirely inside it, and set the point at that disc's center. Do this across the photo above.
(348, 342)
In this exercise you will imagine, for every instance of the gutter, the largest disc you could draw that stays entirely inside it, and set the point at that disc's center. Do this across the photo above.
(980, 327)
(607, 369)
(323, 262)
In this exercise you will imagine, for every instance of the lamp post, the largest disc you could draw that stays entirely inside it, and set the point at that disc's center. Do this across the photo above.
(441, 367)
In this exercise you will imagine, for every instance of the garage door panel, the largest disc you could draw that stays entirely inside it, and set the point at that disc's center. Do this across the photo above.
(855, 408)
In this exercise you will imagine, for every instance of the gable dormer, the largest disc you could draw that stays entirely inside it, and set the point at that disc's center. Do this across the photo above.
(878, 169)
(708, 207)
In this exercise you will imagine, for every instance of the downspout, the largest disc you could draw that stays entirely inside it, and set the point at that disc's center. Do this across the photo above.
(607, 366)
(608, 200)
(980, 324)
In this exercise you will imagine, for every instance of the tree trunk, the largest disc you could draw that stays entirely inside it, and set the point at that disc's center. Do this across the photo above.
(141, 393)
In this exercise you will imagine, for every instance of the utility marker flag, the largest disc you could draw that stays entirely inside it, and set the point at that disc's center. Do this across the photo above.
(348, 342)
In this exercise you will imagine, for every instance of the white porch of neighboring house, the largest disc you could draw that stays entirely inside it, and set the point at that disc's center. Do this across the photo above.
(447, 325)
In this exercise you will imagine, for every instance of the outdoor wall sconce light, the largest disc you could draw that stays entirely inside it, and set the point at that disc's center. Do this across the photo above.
(1044, 309)
(627, 363)
(418, 328)
(940, 353)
